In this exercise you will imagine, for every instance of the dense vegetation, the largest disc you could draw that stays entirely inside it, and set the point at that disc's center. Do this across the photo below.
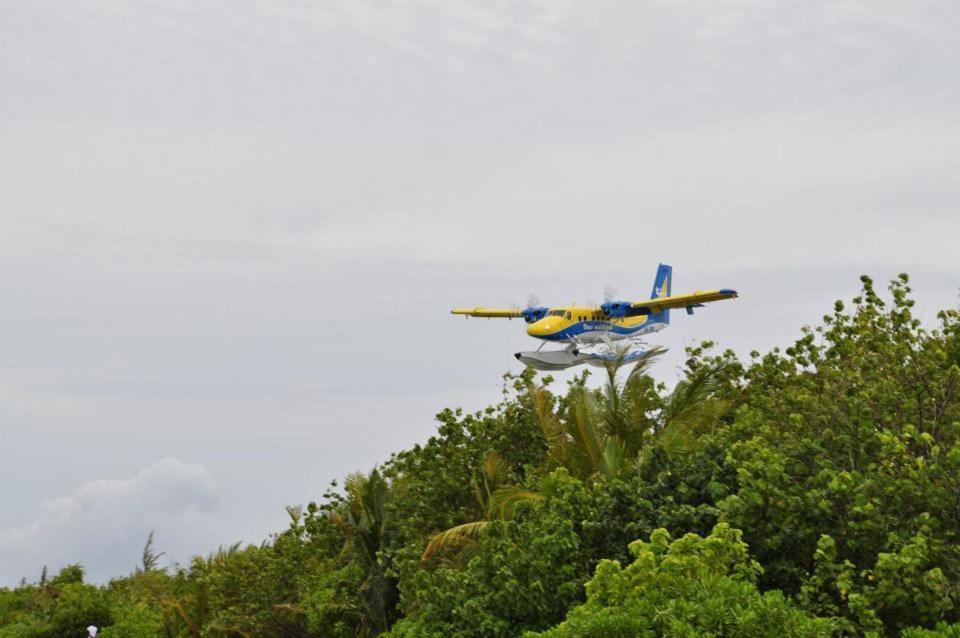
(812, 491)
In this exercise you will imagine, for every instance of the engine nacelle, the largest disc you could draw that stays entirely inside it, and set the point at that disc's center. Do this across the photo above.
(615, 308)
(534, 313)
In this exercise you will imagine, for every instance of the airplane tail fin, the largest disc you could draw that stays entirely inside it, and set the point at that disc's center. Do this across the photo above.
(662, 285)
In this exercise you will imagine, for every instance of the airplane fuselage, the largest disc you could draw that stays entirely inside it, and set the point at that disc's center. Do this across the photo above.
(589, 325)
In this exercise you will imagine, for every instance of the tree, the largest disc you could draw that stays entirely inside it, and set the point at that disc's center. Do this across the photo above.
(356, 592)
(522, 574)
(603, 434)
(150, 559)
(852, 433)
(689, 587)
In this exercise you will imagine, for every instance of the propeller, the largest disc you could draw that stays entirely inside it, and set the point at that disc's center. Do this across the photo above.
(532, 302)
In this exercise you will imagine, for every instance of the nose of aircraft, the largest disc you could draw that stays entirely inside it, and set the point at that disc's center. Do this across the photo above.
(543, 328)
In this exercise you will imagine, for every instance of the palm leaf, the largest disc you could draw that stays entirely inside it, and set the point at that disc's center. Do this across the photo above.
(453, 539)
(694, 406)
(504, 501)
(550, 425)
(586, 441)
(615, 458)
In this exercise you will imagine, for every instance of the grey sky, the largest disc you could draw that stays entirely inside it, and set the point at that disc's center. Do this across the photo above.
(230, 232)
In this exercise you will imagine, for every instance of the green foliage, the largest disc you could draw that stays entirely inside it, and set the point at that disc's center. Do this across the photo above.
(150, 559)
(942, 630)
(363, 519)
(331, 600)
(837, 459)
(440, 479)
(524, 573)
(135, 620)
(69, 575)
(65, 607)
(605, 435)
(852, 433)
(689, 587)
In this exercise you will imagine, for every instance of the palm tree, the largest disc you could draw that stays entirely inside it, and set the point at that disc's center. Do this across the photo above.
(603, 434)
(189, 606)
(599, 433)
(362, 518)
(495, 496)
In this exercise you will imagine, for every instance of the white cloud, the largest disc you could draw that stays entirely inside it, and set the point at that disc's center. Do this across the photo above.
(105, 522)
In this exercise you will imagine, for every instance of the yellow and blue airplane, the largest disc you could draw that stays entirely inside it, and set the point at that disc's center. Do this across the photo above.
(581, 327)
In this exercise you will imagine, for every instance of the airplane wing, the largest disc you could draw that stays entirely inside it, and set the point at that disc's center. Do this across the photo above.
(488, 312)
(689, 300)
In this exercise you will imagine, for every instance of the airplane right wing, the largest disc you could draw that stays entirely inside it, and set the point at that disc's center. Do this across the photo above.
(690, 300)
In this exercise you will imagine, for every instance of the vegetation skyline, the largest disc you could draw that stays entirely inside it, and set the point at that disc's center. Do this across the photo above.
(813, 490)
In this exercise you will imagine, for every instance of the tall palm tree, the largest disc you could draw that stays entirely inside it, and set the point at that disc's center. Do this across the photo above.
(362, 518)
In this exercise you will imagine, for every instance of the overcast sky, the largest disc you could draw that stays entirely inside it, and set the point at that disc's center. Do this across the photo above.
(231, 231)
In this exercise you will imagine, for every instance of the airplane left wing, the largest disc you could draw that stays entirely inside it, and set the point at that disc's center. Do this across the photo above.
(689, 300)
(488, 312)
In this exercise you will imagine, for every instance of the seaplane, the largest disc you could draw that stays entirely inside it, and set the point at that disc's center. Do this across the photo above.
(599, 335)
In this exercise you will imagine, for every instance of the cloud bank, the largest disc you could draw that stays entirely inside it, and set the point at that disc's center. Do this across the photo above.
(104, 523)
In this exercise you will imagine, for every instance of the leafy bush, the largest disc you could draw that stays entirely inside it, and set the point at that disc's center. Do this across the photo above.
(693, 586)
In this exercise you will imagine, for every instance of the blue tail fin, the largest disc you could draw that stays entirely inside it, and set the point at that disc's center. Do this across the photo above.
(662, 285)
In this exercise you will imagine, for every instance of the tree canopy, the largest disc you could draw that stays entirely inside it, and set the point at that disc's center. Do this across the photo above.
(812, 490)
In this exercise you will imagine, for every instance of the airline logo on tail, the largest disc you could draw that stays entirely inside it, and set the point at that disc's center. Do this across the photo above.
(664, 289)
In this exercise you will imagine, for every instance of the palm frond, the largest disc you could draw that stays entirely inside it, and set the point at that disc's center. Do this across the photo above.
(679, 438)
(693, 408)
(496, 469)
(644, 362)
(494, 472)
(615, 458)
(504, 501)
(543, 409)
(295, 512)
(586, 446)
(453, 539)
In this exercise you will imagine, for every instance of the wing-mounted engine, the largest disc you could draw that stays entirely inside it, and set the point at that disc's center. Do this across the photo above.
(615, 309)
(534, 313)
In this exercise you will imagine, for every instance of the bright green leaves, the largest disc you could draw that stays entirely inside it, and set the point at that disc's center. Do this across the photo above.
(905, 587)
(522, 574)
(851, 434)
(910, 586)
(692, 586)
